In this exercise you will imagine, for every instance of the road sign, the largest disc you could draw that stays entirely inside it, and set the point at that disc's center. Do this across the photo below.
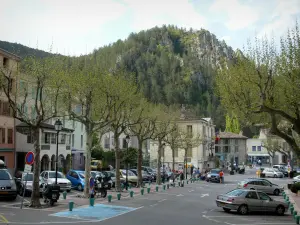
(27, 168)
(29, 158)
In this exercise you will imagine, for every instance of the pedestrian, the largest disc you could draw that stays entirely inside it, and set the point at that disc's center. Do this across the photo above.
(198, 173)
(192, 170)
(181, 178)
(221, 174)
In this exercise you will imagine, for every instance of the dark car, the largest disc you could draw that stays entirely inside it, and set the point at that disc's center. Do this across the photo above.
(146, 177)
(213, 175)
(8, 187)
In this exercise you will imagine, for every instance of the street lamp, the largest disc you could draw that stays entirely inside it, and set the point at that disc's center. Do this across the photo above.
(127, 141)
(163, 150)
(58, 128)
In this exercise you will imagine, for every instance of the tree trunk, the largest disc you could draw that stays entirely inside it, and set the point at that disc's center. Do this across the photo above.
(89, 136)
(158, 176)
(139, 163)
(118, 159)
(35, 196)
(173, 159)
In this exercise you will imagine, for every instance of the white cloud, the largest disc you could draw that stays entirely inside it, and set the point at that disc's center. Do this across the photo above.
(148, 14)
(282, 17)
(239, 15)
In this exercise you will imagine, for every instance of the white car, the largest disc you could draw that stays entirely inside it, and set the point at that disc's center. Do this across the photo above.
(296, 178)
(272, 172)
(62, 181)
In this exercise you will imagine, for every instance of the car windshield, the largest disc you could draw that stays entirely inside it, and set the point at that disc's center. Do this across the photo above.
(4, 175)
(130, 173)
(150, 170)
(215, 171)
(111, 174)
(276, 170)
(237, 192)
(81, 175)
(94, 163)
(28, 177)
(59, 175)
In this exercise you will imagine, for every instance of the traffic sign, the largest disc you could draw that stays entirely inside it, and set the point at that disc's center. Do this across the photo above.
(29, 158)
(27, 168)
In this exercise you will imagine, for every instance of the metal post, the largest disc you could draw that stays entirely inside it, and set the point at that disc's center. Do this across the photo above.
(56, 166)
(24, 190)
(127, 167)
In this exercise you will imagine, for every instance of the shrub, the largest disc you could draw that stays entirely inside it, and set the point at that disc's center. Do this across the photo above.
(295, 188)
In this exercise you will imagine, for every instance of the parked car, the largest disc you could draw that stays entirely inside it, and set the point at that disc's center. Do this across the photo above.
(145, 175)
(272, 172)
(244, 201)
(213, 175)
(260, 185)
(132, 178)
(28, 189)
(282, 169)
(112, 175)
(77, 179)
(62, 181)
(8, 187)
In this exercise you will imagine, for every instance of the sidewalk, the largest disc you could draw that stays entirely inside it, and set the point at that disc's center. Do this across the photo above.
(294, 204)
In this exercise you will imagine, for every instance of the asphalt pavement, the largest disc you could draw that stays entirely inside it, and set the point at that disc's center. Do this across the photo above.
(192, 204)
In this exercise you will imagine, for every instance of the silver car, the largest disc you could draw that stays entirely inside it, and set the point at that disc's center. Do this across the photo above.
(244, 201)
(261, 185)
(62, 181)
(29, 178)
(8, 187)
(272, 172)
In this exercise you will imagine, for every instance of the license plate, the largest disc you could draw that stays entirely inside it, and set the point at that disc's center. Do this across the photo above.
(221, 204)
(53, 196)
(4, 192)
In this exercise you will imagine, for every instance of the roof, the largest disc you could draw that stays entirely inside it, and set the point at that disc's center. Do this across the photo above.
(230, 135)
(10, 55)
(21, 127)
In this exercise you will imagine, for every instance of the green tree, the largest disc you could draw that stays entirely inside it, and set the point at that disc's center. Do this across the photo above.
(232, 124)
(35, 95)
(263, 86)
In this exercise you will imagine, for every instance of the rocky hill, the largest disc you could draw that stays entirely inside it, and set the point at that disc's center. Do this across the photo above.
(171, 65)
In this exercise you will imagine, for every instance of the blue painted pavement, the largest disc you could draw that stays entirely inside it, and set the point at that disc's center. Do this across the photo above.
(98, 212)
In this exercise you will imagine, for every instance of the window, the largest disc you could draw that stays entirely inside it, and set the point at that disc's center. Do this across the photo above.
(2, 135)
(112, 141)
(264, 196)
(252, 195)
(124, 143)
(258, 148)
(217, 149)
(189, 152)
(5, 110)
(82, 127)
(53, 138)
(226, 149)
(46, 138)
(226, 142)
(189, 130)
(236, 148)
(62, 139)
(253, 148)
(81, 141)
(236, 142)
(5, 62)
(73, 125)
(68, 139)
(73, 139)
(106, 142)
(176, 152)
(10, 134)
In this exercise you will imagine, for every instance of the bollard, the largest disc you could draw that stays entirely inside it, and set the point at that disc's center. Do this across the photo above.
(71, 206)
(130, 185)
(119, 196)
(64, 195)
(297, 218)
(294, 214)
(109, 197)
(148, 190)
(292, 209)
(168, 186)
(164, 187)
(142, 191)
(131, 194)
(156, 188)
(179, 184)
(122, 186)
(92, 201)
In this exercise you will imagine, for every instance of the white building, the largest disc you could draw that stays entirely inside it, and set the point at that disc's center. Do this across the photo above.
(71, 138)
(200, 156)
(256, 150)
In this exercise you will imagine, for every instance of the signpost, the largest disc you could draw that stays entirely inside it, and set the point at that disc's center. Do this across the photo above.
(29, 160)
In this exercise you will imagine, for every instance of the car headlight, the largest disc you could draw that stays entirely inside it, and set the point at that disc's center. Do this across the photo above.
(208, 175)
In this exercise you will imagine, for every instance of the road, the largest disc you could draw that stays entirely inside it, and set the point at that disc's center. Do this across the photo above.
(192, 204)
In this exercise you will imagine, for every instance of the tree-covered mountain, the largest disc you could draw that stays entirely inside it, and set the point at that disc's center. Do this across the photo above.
(171, 65)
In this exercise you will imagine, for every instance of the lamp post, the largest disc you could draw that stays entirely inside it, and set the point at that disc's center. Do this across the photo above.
(164, 169)
(127, 141)
(58, 128)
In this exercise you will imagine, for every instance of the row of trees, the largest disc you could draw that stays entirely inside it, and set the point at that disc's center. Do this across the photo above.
(79, 89)
(262, 87)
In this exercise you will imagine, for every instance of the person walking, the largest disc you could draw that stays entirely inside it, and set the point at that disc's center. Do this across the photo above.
(221, 174)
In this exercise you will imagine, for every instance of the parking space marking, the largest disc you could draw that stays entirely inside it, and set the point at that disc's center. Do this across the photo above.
(3, 219)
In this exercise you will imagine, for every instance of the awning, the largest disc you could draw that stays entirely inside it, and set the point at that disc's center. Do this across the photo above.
(258, 154)
(24, 128)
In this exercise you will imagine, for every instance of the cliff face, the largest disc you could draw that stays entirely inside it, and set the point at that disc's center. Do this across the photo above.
(171, 65)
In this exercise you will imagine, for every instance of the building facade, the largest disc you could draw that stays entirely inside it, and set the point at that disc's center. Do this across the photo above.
(7, 123)
(200, 156)
(230, 146)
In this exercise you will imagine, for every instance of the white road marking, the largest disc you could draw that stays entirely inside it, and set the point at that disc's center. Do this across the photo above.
(153, 205)
(179, 195)
(162, 200)
(191, 191)
(203, 195)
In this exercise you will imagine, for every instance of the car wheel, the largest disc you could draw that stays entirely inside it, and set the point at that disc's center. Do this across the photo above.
(226, 210)
(79, 187)
(276, 192)
(280, 210)
(243, 210)
(68, 190)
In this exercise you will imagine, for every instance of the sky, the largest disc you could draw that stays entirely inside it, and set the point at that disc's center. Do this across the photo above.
(73, 27)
